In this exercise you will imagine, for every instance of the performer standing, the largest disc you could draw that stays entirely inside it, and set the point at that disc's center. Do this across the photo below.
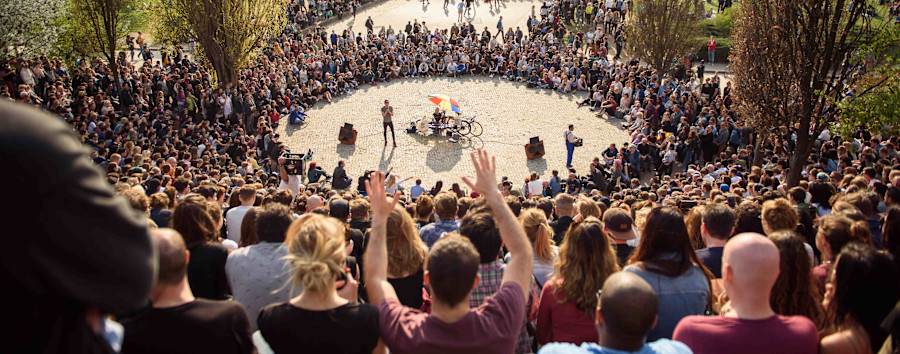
(570, 144)
(387, 112)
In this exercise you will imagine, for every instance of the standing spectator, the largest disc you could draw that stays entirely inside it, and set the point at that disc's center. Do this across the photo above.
(665, 259)
(836, 232)
(750, 266)
(794, 292)
(619, 225)
(159, 211)
(711, 49)
(406, 263)
(325, 316)
(452, 269)
(206, 271)
(717, 224)
(864, 289)
(258, 273)
(445, 206)
(565, 207)
(568, 301)
(179, 322)
(625, 313)
(235, 216)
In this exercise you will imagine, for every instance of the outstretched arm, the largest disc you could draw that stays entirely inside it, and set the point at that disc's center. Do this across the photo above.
(521, 261)
(376, 259)
(282, 171)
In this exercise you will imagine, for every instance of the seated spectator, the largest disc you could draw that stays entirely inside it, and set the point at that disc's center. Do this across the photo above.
(626, 311)
(666, 260)
(206, 271)
(445, 206)
(452, 268)
(234, 216)
(258, 274)
(716, 227)
(795, 292)
(618, 224)
(406, 263)
(864, 289)
(325, 316)
(750, 266)
(177, 321)
(568, 301)
(340, 178)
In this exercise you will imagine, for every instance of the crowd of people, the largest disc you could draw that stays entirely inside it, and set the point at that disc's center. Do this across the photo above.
(671, 242)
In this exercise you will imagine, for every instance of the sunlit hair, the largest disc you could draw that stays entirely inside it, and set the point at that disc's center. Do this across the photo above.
(839, 231)
(192, 220)
(585, 260)
(539, 232)
(587, 207)
(795, 291)
(406, 251)
(315, 245)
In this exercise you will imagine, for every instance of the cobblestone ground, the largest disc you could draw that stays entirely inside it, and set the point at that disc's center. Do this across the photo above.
(509, 112)
(396, 13)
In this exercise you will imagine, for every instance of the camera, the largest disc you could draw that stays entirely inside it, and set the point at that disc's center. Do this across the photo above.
(293, 163)
(579, 142)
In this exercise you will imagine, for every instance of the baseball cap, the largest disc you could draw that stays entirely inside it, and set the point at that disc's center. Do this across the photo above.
(619, 224)
(339, 208)
(724, 187)
(822, 177)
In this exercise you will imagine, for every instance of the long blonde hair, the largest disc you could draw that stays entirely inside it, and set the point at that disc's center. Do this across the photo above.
(534, 221)
(315, 245)
(587, 207)
(585, 260)
(406, 251)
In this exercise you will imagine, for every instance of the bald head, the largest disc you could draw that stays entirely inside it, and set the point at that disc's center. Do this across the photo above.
(314, 202)
(750, 265)
(628, 305)
(173, 258)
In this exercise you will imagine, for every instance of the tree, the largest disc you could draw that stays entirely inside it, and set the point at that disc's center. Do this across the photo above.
(228, 31)
(662, 30)
(792, 61)
(28, 28)
(103, 23)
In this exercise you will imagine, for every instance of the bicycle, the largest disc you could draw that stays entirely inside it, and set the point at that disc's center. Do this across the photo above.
(463, 126)
(468, 125)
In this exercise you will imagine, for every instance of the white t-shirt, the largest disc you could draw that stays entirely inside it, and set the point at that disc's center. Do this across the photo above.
(233, 219)
(293, 184)
(536, 187)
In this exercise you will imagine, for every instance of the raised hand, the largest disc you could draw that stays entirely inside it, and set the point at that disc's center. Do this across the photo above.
(381, 204)
(485, 171)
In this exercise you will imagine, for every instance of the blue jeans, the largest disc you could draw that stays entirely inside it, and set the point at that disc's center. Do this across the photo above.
(712, 56)
(570, 148)
(688, 158)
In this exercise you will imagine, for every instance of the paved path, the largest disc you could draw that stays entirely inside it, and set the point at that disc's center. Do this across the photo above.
(509, 112)
(396, 13)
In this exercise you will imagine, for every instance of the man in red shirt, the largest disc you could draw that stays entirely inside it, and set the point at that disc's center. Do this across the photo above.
(711, 49)
(451, 270)
(750, 266)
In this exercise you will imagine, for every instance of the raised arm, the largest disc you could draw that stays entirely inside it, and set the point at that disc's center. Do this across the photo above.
(282, 171)
(522, 259)
(376, 259)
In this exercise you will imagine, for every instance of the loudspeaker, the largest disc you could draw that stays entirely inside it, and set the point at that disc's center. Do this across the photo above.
(534, 149)
(347, 135)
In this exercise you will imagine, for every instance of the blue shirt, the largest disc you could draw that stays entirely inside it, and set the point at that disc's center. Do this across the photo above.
(432, 232)
(661, 346)
(555, 186)
(416, 191)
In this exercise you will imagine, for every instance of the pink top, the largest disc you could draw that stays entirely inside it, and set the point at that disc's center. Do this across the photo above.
(562, 322)
(493, 327)
(720, 334)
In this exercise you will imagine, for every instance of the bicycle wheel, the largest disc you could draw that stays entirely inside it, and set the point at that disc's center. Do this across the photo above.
(463, 128)
(476, 128)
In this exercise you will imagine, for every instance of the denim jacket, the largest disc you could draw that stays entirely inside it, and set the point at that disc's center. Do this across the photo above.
(684, 295)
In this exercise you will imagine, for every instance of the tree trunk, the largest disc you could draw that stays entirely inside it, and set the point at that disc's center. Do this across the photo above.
(114, 65)
(801, 154)
(761, 138)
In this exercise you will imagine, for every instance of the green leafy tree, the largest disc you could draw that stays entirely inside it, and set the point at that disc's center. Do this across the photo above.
(104, 24)
(28, 28)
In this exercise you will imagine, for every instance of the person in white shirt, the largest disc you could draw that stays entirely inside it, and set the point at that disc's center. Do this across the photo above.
(291, 182)
(235, 216)
(535, 185)
(570, 144)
